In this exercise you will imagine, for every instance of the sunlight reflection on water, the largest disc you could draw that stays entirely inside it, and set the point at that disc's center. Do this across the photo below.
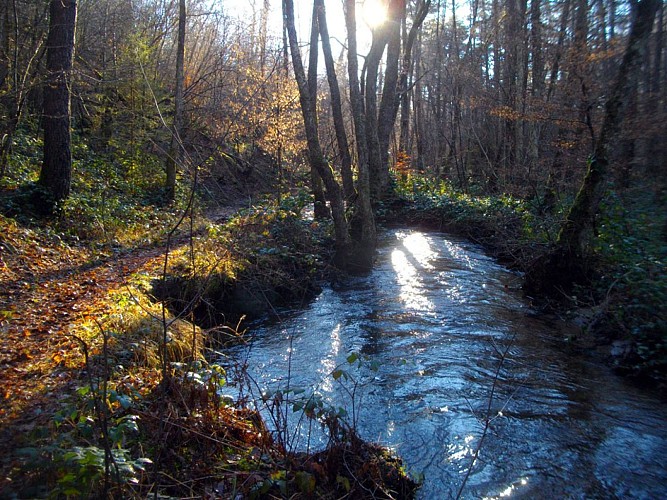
(434, 315)
(329, 362)
(420, 248)
(419, 253)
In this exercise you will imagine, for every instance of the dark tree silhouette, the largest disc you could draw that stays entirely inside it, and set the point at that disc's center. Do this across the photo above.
(56, 172)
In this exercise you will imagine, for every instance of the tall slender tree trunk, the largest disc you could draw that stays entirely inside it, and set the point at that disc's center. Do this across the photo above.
(336, 104)
(56, 172)
(380, 121)
(5, 26)
(402, 98)
(575, 83)
(585, 207)
(405, 97)
(18, 82)
(555, 65)
(372, 65)
(263, 39)
(6, 102)
(174, 157)
(321, 211)
(535, 127)
(364, 230)
(316, 157)
(390, 98)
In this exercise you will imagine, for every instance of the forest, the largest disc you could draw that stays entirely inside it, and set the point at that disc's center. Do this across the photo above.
(172, 171)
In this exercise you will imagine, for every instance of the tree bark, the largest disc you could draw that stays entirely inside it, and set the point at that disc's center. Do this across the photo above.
(336, 104)
(316, 157)
(6, 130)
(535, 127)
(174, 157)
(4, 42)
(56, 172)
(17, 82)
(380, 39)
(390, 101)
(364, 222)
(585, 207)
(321, 211)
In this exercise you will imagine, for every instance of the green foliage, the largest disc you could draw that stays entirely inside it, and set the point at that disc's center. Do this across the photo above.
(117, 196)
(116, 200)
(98, 442)
(339, 421)
(633, 256)
(87, 466)
(628, 264)
(494, 220)
(26, 159)
(201, 376)
(93, 443)
(277, 244)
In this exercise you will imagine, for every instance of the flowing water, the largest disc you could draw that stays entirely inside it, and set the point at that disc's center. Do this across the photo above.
(448, 343)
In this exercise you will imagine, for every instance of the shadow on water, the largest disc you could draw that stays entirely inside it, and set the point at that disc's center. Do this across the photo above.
(435, 315)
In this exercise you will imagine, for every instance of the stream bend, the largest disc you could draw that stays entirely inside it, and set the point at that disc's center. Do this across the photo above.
(445, 326)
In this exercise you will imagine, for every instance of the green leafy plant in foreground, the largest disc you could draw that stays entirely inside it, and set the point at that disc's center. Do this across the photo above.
(91, 448)
(339, 422)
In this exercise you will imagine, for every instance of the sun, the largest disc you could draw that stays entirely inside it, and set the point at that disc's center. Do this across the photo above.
(374, 12)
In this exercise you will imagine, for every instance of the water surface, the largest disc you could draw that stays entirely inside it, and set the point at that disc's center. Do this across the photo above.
(448, 342)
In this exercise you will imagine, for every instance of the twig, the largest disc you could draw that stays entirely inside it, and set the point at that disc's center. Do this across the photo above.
(487, 419)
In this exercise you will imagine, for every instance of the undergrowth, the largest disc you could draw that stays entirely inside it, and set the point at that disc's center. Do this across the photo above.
(632, 289)
(117, 198)
(514, 230)
(265, 256)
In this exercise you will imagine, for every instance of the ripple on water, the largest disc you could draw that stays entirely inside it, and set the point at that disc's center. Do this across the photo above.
(437, 315)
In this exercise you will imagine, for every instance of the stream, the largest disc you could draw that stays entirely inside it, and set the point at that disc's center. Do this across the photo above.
(447, 342)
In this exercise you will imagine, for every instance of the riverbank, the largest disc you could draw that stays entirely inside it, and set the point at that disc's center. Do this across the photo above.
(618, 309)
(447, 345)
(100, 375)
(109, 393)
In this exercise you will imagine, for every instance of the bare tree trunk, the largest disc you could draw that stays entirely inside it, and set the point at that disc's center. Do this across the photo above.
(173, 159)
(56, 172)
(658, 148)
(372, 64)
(389, 103)
(535, 127)
(380, 123)
(5, 26)
(6, 131)
(263, 24)
(404, 124)
(585, 207)
(364, 222)
(14, 82)
(333, 191)
(555, 65)
(320, 204)
(336, 105)
(577, 76)
(402, 99)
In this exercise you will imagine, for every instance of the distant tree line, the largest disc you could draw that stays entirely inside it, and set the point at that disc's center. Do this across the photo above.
(493, 97)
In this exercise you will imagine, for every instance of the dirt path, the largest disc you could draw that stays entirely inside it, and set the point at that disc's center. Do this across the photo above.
(47, 288)
(39, 305)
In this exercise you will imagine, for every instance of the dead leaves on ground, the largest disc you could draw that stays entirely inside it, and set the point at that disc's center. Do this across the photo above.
(48, 290)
